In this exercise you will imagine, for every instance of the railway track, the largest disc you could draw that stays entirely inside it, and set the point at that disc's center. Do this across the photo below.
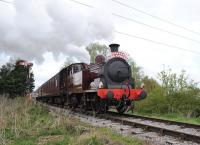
(179, 130)
(169, 122)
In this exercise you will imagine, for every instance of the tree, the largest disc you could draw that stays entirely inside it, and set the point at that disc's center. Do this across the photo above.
(95, 48)
(31, 85)
(136, 72)
(5, 71)
(150, 84)
(183, 94)
(173, 83)
(16, 80)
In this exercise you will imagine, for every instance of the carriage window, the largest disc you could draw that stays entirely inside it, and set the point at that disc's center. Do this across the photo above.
(69, 70)
(77, 68)
(56, 82)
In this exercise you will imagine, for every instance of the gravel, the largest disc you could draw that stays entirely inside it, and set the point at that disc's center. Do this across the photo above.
(151, 137)
(167, 126)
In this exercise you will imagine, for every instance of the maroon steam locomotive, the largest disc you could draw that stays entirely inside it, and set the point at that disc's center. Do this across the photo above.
(95, 86)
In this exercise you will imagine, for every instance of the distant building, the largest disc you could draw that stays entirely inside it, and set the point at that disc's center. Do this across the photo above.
(24, 63)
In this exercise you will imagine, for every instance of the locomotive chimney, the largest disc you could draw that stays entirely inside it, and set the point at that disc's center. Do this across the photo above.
(114, 47)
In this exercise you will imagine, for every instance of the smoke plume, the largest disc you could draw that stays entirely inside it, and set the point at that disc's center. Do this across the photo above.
(30, 28)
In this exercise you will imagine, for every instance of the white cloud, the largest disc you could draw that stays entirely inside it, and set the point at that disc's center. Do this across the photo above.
(36, 27)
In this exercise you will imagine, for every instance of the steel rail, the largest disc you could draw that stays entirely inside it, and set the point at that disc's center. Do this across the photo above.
(169, 122)
(148, 127)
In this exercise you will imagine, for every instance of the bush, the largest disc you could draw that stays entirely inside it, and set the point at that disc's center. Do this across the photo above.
(177, 94)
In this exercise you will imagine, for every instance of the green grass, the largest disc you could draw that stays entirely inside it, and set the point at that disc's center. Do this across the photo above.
(25, 123)
(173, 117)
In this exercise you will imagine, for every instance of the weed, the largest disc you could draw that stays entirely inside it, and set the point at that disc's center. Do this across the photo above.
(26, 123)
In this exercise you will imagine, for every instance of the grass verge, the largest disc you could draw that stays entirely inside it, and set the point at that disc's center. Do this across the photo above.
(173, 117)
(25, 123)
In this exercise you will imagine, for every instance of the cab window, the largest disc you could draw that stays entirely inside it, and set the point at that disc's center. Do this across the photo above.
(77, 68)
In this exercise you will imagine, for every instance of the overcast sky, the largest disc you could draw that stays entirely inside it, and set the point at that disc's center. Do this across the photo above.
(47, 31)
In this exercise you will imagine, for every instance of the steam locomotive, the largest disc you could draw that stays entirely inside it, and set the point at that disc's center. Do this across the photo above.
(98, 87)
